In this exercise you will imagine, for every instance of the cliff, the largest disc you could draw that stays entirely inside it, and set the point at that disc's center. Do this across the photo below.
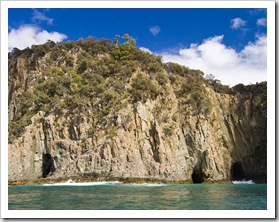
(84, 110)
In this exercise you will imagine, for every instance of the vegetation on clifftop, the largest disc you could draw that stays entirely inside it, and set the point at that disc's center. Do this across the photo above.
(103, 76)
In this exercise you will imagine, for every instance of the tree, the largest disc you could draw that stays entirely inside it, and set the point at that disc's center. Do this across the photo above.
(123, 51)
(116, 40)
(239, 88)
(130, 41)
(15, 53)
(210, 78)
(215, 83)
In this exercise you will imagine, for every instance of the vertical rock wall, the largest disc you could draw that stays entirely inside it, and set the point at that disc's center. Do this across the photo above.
(198, 148)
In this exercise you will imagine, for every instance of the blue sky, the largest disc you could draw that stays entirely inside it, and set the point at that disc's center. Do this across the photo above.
(226, 42)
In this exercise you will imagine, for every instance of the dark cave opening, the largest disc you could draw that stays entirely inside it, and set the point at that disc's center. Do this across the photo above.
(47, 164)
(197, 177)
(237, 172)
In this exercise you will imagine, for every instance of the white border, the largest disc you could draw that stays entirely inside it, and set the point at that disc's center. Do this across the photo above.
(138, 4)
(269, 213)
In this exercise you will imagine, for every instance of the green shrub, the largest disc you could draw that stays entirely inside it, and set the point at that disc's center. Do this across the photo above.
(82, 67)
(124, 51)
(154, 67)
(16, 128)
(174, 68)
(168, 130)
(57, 71)
(143, 88)
(161, 78)
(26, 102)
(193, 93)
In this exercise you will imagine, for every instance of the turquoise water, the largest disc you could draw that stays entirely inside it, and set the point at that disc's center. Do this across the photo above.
(117, 196)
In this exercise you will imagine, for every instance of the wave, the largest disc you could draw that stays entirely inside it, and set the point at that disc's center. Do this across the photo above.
(82, 184)
(156, 185)
(147, 184)
(71, 183)
(243, 182)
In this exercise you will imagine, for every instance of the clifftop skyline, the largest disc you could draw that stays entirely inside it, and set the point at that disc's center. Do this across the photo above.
(229, 43)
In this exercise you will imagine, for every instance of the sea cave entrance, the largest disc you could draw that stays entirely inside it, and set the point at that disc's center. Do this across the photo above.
(237, 172)
(47, 165)
(197, 176)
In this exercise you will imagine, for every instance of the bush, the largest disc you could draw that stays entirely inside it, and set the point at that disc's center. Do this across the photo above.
(169, 130)
(82, 67)
(154, 67)
(26, 101)
(161, 78)
(216, 85)
(193, 92)
(143, 88)
(174, 68)
(57, 72)
(16, 128)
(69, 60)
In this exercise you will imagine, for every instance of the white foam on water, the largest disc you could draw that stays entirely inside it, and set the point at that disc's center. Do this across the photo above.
(243, 182)
(147, 184)
(156, 185)
(82, 184)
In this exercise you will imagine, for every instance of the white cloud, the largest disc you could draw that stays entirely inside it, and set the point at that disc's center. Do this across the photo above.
(255, 53)
(261, 22)
(39, 16)
(237, 23)
(145, 50)
(27, 35)
(155, 30)
(226, 64)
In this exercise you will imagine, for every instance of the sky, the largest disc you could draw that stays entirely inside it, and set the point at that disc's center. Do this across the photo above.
(230, 43)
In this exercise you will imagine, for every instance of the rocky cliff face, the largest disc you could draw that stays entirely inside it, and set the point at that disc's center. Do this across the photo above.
(152, 139)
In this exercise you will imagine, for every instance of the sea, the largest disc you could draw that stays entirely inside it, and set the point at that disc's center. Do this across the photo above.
(118, 196)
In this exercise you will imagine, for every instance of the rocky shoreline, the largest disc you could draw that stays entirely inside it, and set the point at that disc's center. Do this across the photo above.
(122, 180)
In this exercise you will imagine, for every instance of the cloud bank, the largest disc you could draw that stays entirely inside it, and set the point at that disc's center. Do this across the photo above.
(226, 64)
(28, 35)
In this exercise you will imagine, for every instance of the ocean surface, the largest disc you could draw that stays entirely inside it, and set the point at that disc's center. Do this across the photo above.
(118, 196)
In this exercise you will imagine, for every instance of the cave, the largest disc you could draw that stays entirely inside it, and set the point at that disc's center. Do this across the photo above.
(237, 172)
(197, 177)
(48, 165)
